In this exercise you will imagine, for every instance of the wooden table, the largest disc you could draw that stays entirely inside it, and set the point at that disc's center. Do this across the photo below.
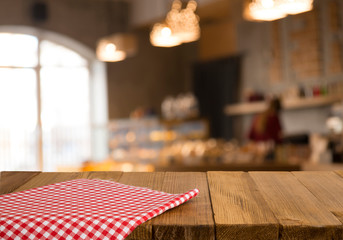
(231, 205)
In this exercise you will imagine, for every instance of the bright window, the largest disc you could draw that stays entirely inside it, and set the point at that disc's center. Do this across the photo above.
(44, 105)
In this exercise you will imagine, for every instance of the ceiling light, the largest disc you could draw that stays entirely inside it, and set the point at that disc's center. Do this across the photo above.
(116, 47)
(161, 36)
(185, 24)
(263, 10)
(180, 26)
(296, 6)
(270, 10)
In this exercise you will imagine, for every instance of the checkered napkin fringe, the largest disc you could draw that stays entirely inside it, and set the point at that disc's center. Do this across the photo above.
(82, 209)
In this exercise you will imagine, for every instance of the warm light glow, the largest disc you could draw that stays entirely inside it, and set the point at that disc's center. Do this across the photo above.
(159, 36)
(110, 47)
(107, 52)
(186, 23)
(267, 3)
(181, 26)
(166, 32)
(116, 47)
(296, 6)
(264, 10)
(270, 10)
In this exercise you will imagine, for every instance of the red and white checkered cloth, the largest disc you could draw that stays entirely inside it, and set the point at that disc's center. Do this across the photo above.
(82, 209)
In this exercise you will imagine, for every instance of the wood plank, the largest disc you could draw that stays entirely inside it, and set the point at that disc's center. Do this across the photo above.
(299, 213)
(339, 172)
(9, 181)
(327, 187)
(191, 220)
(47, 178)
(309, 166)
(240, 211)
(152, 180)
(229, 167)
(148, 180)
(109, 175)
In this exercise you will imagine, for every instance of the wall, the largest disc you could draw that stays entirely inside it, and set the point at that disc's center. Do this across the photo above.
(304, 50)
(83, 20)
(218, 40)
(143, 80)
(146, 79)
(300, 50)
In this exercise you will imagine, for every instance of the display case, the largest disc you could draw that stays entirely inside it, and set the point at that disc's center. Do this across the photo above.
(141, 140)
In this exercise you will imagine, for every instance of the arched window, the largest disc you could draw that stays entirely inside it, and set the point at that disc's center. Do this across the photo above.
(53, 108)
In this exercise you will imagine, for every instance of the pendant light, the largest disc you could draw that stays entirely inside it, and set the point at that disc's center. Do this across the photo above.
(296, 6)
(263, 10)
(270, 10)
(180, 26)
(118, 46)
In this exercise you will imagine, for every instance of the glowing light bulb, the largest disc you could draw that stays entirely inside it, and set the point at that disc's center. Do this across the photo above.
(180, 26)
(161, 36)
(267, 3)
(264, 10)
(166, 32)
(110, 47)
(296, 7)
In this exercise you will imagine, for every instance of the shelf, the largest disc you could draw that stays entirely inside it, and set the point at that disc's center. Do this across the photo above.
(311, 102)
(245, 108)
(296, 103)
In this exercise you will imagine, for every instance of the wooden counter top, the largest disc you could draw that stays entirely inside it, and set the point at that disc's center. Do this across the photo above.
(231, 205)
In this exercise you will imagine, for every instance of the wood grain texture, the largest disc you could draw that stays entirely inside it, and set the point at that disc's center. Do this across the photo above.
(299, 212)
(112, 176)
(47, 178)
(327, 187)
(206, 167)
(339, 172)
(240, 211)
(191, 220)
(9, 181)
(152, 180)
(148, 180)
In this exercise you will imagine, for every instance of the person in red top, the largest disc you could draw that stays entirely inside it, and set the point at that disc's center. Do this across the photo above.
(266, 126)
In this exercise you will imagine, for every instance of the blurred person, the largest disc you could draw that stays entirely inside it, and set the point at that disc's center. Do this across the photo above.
(266, 126)
(266, 130)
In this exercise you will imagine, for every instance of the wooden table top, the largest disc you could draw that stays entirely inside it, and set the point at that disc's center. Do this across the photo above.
(231, 205)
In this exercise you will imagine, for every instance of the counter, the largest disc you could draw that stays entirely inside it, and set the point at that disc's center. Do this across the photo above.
(231, 205)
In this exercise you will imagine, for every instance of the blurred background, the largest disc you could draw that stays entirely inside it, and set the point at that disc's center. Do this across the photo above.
(162, 85)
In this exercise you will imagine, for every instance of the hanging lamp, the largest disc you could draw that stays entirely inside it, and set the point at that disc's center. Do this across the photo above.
(118, 46)
(296, 6)
(270, 10)
(180, 26)
(263, 10)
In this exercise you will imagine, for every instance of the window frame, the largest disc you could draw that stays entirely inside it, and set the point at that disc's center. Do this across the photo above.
(97, 87)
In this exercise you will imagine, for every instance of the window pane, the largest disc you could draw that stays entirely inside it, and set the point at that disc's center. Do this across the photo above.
(65, 116)
(65, 96)
(18, 109)
(59, 56)
(18, 50)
